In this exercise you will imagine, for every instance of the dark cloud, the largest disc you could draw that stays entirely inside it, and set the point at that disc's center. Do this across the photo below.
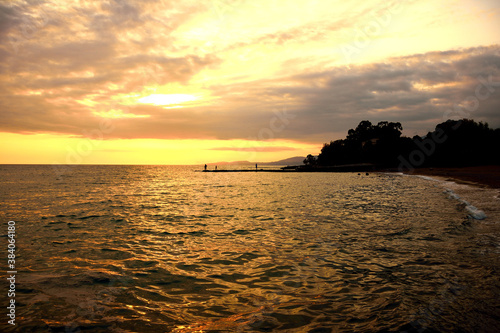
(9, 16)
(407, 89)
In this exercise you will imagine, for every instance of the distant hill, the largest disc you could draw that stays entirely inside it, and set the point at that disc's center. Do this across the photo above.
(297, 160)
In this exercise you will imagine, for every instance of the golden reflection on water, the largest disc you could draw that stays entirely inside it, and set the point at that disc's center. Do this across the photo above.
(163, 248)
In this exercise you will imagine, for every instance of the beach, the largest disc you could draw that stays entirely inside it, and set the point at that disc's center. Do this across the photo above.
(486, 176)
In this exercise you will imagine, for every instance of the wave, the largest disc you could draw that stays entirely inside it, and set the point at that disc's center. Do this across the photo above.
(473, 211)
(427, 178)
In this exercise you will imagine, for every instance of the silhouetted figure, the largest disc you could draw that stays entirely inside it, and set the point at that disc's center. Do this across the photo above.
(255, 166)
(216, 167)
(205, 167)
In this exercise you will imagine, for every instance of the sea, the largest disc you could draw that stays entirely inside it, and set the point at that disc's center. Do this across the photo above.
(102, 248)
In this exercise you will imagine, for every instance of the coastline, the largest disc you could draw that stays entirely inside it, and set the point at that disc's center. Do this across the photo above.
(478, 190)
(484, 176)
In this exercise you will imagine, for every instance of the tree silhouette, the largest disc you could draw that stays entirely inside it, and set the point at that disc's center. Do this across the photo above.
(310, 160)
(367, 143)
(462, 143)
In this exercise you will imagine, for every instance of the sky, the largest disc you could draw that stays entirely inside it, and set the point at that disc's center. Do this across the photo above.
(194, 82)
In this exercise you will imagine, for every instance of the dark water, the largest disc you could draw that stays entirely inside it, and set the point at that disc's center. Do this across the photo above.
(167, 249)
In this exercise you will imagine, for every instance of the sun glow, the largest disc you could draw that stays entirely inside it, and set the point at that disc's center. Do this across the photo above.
(162, 99)
(63, 149)
(116, 114)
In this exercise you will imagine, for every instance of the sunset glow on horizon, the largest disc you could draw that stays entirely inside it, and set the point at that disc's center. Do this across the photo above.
(184, 82)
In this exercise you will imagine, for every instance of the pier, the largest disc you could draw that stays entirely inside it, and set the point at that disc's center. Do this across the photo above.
(364, 167)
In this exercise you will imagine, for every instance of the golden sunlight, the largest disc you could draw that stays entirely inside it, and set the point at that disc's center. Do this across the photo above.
(63, 149)
(162, 99)
(116, 114)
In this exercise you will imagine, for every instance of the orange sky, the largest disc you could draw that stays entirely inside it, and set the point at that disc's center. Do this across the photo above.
(189, 82)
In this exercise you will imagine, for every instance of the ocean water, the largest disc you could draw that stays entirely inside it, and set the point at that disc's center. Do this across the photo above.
(171, 249)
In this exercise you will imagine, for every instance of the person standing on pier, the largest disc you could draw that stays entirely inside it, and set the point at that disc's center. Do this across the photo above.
(205, 167)
(255, 166)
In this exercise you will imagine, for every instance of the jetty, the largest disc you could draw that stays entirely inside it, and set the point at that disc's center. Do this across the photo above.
(363, 167)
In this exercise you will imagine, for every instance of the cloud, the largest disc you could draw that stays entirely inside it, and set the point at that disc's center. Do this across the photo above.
(65, 68)
(422, 86)
(411, 90)
(255, 149)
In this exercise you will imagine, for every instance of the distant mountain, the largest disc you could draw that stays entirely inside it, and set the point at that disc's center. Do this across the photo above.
(297, 160)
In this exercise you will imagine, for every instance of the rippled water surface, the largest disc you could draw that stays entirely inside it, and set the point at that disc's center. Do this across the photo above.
(168, 249)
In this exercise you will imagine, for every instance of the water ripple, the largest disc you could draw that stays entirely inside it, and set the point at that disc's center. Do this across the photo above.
(142, 249)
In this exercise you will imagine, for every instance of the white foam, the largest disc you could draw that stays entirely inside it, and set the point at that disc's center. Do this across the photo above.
(476, 213)
(428, 178)
(452, 194)
(473, 211)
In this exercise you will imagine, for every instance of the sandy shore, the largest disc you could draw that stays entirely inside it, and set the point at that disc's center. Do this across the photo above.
(488, 176)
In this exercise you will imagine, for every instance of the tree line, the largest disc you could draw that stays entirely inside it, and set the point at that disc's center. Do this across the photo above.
(453, 143)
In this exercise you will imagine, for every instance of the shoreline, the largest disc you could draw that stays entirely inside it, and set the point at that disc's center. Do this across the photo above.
(483, 176)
